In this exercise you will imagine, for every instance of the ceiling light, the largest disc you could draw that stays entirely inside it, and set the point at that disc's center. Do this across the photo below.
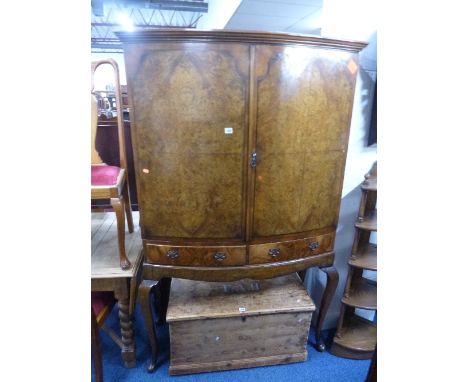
(126, 22)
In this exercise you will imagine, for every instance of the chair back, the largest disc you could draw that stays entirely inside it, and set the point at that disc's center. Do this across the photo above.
(95, 157)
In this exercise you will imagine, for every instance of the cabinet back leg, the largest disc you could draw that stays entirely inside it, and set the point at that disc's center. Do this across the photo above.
(144, 293)
(328, 293)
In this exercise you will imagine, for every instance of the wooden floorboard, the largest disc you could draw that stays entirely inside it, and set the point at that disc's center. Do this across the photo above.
(104, 245)
(96, 222)
(107, 221)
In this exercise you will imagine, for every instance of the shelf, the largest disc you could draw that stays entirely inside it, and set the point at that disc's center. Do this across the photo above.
(369, 184)
(369, 222)
(365, 258)
(357, 340)
(362, 294)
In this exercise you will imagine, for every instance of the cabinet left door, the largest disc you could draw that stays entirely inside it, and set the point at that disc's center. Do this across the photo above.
(189, 107)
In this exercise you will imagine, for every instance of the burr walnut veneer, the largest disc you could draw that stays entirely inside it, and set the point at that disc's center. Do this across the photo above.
(239, 142)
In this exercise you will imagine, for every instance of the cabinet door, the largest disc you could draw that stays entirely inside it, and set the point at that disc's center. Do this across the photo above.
(304, 98)
(189, 128)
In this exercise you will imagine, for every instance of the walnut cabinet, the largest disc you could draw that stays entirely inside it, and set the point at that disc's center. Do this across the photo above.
(239, 142)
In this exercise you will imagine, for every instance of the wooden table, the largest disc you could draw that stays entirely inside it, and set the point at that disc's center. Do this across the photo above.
(106, 274)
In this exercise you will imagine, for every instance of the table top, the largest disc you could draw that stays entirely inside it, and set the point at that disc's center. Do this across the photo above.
(105, 249)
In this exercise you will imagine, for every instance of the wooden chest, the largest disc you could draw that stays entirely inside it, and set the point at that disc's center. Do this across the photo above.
(223, 326)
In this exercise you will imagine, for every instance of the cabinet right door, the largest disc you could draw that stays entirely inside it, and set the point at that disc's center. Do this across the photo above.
(303, 98)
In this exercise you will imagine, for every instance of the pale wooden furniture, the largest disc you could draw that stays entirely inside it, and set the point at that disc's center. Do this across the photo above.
(240, 140)
(222, 326)
(356, 337)
(107, 275)
(110, 182)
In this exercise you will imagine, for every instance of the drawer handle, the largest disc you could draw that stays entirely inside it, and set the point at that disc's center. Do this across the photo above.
(173, 253)
(273, 252)
(314, 245)
(219, 256)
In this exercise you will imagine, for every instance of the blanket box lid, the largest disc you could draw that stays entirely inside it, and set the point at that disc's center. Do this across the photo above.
(195, 300)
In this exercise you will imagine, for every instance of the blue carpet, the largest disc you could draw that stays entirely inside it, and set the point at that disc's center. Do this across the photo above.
(318, 367)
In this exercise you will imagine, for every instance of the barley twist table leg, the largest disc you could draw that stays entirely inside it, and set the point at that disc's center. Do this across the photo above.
(126, 329)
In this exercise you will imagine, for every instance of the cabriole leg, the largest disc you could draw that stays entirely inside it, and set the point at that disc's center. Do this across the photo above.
(118, 206)
(328, 293)
(144, 293)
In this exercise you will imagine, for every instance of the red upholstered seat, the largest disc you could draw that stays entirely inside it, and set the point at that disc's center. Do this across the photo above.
(104, 175)
(99, 300)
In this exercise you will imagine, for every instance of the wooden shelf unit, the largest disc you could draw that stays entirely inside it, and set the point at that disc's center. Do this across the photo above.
(368, 222)
(355, 336)
(365, 258)
(357, 339)
(362, 294)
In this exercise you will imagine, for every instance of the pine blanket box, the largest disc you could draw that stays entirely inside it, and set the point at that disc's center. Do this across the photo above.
(248, 323)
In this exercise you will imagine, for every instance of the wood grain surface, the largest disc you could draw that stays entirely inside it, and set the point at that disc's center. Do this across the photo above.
(233, 339)
(218, 326)
(202, 102)
(358, 334)
(104, 246)
(167, 35)
(304, 104)
(253, 271)
(365, 257)
(206, 256)
(362, 294)
(190, 169)
(195, 300)
(288, 250)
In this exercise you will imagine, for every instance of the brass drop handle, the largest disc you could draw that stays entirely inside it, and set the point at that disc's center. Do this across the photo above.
(173, 253)
(219, 256)
(273, 252)
(313, 245)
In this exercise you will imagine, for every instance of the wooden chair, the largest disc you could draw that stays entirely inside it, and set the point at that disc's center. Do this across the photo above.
(101, 306)
(110, 182)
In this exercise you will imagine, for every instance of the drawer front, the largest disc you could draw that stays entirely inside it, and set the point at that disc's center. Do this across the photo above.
(271, 252)
(314, 246)
(289, 250)
(195, 256)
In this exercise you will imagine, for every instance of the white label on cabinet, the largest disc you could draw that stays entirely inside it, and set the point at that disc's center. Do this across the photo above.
(228, 130)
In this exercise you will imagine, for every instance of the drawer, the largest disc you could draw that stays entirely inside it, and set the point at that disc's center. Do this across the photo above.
(314, 246)
(289, 250)
(195, 256)
(271, 252)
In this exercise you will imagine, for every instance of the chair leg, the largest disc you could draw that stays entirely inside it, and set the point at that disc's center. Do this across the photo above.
(96, 348)
(128, 207)
(117, 205)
